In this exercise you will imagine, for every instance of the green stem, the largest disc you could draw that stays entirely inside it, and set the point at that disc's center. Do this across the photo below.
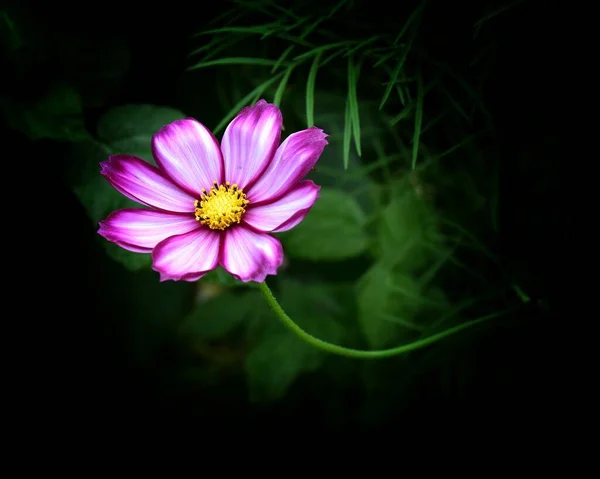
(359, 353)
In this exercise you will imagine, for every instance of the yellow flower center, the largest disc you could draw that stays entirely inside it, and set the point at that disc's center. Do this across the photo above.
(220, 207)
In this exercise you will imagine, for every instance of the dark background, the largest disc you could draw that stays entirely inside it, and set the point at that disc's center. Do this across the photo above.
(87, 376)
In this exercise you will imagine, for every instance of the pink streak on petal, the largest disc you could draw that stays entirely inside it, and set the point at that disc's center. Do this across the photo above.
(187, 257)
(286, 212)
(250, 256)
(250, 141)
(141, 230)
(145, 184)
(189, 154)
(293, 160)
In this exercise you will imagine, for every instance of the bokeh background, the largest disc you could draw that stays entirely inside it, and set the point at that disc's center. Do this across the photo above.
(439, 206)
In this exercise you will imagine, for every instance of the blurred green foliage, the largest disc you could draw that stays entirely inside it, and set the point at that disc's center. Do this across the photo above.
(127, 129)
(334, 230)
(377, 260)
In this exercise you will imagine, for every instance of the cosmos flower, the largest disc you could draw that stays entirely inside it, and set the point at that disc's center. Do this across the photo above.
(212, 205)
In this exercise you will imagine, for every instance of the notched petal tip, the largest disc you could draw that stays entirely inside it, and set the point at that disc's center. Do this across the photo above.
(317, 131)
(261, 114)
(163, 277)
(260, 106)
(292, 161)
(315, 135)
(101, 229)
(103, 225)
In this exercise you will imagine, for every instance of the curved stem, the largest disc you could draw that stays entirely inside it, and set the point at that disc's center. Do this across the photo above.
(360, 353)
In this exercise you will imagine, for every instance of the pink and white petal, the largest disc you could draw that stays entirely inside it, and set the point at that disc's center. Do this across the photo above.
(187, 257)
(145, 184)
(189, 154)
(250, 141)
(292, 161)
(286, 212)
(250, 256)
(141, 230)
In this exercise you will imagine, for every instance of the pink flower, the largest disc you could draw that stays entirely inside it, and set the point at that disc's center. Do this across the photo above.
(212, 205)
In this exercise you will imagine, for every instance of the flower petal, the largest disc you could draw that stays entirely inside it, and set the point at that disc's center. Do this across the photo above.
(187, 257)
(142, 182)
(189, 154)
(249, 142)
(286, 212)
(141, 230)
(250, 256)
(293, 160)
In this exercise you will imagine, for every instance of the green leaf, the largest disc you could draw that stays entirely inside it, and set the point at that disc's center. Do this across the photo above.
(332, 230)
(353, 73)
(406, 225)
(347, 138)
(262, 29)
(280, 357)
(127, 129)
(314, 307)
(310, 91)
(132, 261)
(244, 101)
(320, 49)
(396, 72)
(396, 296)
(233, 61)
(58, 116)
(387, 303)
(281, 87)
(219, 316)
(281, 59)
(418, 122)
(274, 364)
(413, 18)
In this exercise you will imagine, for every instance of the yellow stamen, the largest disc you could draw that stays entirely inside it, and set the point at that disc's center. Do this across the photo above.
(220, 207)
